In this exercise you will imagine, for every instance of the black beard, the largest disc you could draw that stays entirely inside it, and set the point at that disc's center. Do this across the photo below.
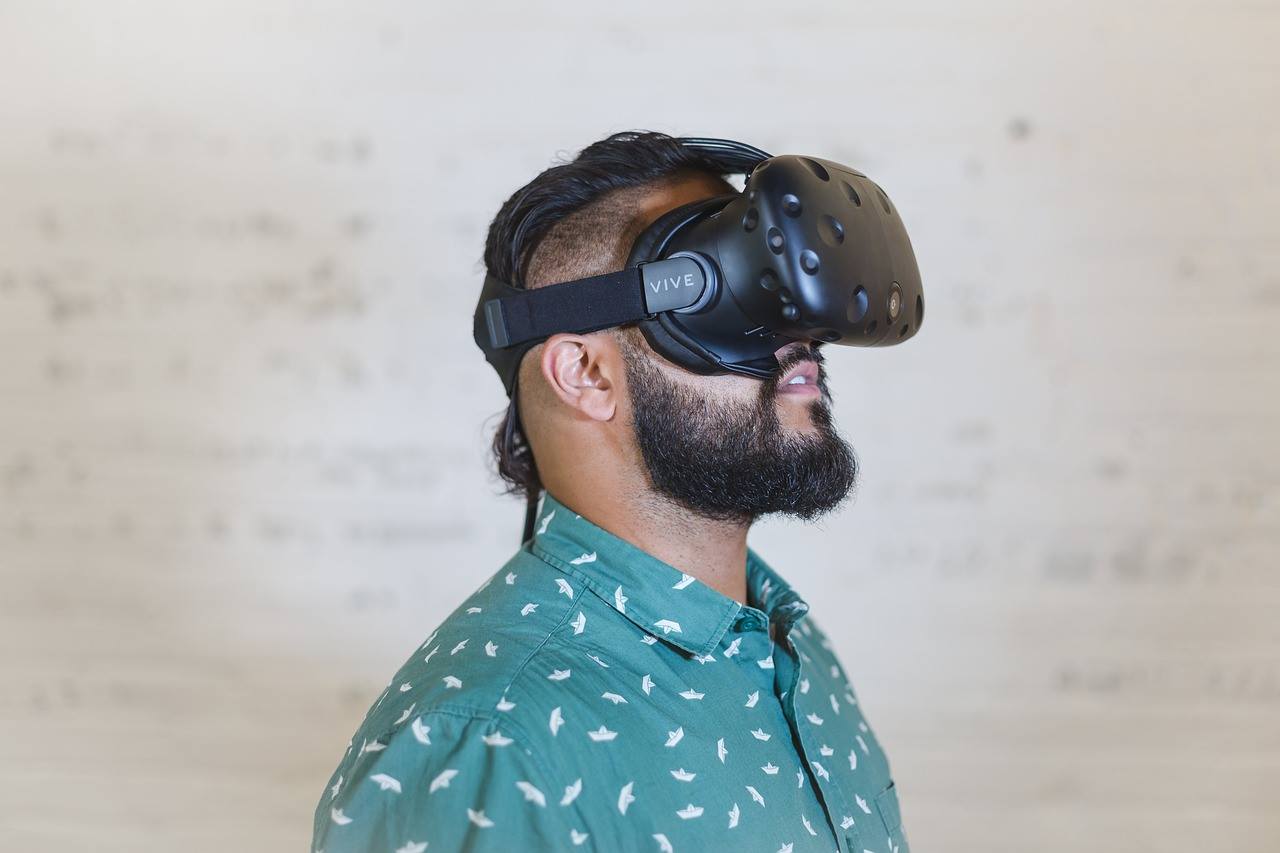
(730, 462)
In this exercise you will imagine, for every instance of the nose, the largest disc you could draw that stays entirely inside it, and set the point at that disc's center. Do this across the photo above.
(784, 352)
(792, 350)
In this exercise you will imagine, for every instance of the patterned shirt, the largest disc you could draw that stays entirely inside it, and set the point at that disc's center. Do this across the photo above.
(589, 696)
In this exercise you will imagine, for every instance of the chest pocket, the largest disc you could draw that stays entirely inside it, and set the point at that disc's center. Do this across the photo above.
(887, 805)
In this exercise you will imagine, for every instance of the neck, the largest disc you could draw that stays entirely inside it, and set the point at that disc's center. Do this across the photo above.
(714, 552)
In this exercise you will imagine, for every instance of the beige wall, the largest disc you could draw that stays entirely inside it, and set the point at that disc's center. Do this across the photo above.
(243, 425)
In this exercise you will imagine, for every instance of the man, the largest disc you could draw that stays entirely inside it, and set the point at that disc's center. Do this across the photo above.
(635, 677)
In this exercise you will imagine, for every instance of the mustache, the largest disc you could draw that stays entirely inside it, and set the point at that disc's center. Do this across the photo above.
(809, 353)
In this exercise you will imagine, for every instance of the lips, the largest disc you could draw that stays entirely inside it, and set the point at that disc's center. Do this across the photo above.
(807, 371)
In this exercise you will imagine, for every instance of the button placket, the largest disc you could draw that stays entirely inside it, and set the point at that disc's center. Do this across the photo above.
(788, 671)
(852, 835)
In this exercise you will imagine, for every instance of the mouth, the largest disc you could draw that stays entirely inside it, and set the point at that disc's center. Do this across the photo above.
(800, 380)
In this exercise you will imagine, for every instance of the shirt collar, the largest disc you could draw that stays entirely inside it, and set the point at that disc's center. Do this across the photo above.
(656, 596)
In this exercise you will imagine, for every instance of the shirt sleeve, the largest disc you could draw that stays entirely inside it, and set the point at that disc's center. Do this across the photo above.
(448, 781)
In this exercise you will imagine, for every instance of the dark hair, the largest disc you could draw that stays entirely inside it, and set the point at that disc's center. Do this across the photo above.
(623, 160)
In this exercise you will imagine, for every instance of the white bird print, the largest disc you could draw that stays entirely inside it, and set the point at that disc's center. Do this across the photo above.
(799, 778)
(531, 793)
(835, 703)
(334, 789)
(427, 659)
(685, 580)
(648, 639)
(428, 640)
(420, 730)
(721, 752)
(619, 600)
(733, 816)
(577, 837)
(371, 747)
(846, 822)
(664, 846)
(565, 587)
(862, 724)
(602, 734)
(579, 622)
(462, 645)
(770, 768)
(707, 658)
(690, 811)
(338, 817)
(613, 697)
(491, 649)
(559, 674)
(385, 782)
(766, 663)
(646, 684)
(675, 737)
(441, 780)
(786, 848)
(556, 721)
(511, 578)
(478, 818)
(853, 760)
(683, 775)
(412, 847)
(585, 558)
(406, 687)
(813, 718)
(505, 704)
(668, 625)
(862, 744)
(691, 694)
(477, 609)
(820, 770)
(404, 716)
(835, 670)
(805, 820)
(496, 739)
(596, 658)
(571, 792)
(542, 528)
(804, 685)
(825, 750)
(452, 681)
(732, 648)
(755, 795)
(760, 734)
(625, 797)
(752, 699)
(528, 608)
(862, 804)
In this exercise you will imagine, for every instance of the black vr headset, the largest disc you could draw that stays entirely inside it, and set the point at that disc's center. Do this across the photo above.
(810, 250)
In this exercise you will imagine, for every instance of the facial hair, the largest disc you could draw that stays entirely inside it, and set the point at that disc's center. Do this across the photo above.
(731, 461)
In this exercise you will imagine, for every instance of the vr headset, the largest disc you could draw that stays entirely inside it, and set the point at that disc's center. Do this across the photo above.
(809, 250)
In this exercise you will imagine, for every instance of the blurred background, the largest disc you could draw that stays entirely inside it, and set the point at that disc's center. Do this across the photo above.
(244, 428)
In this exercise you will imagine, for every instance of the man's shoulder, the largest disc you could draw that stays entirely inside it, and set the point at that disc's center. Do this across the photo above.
(452, 689)
(469, 660)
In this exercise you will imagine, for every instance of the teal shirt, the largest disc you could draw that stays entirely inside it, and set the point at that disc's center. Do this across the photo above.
(589, 696)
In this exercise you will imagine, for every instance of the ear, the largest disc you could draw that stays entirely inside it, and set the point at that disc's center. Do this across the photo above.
(583, 371)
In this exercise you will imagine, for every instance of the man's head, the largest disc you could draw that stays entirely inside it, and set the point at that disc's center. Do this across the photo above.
(604, 405)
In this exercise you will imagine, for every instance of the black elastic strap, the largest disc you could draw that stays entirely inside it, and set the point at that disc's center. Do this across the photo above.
(585, 305)
(530, 515)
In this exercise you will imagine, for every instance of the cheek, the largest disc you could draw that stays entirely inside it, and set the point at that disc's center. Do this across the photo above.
(730, 389)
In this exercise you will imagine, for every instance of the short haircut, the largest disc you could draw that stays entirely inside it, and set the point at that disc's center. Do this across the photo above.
(575, 219)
